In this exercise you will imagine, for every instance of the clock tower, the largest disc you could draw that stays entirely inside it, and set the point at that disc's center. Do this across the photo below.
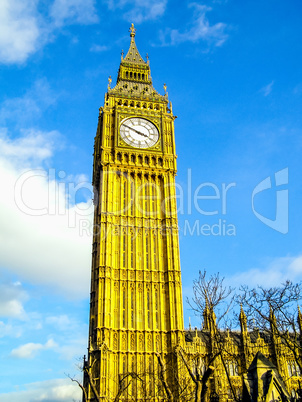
(136, 316)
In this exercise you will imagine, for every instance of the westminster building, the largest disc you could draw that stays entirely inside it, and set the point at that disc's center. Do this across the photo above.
(138, 349)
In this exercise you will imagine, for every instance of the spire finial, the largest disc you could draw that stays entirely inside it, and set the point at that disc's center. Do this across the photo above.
(132, 31)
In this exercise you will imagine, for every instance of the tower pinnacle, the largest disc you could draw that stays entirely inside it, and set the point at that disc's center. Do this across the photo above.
(132, 30)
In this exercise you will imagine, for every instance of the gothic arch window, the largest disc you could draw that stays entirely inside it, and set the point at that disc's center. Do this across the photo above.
(119, 156)
(130, 74)
(147, 160)
(133, 158)
(232, 367)
(139, 76)
(143, 76)
(127, 74)
(293, 368)
(135, 76)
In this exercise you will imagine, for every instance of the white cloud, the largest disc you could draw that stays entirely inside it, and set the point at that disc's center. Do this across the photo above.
(201, 29)
(12, 297)
(41, 238)
(98, 48)
(19, 30)
(58, 390)
(24, 30)
(275, 273)
(62, 322)
(73, 11)
(9, 330)
(138, 10)
(267, 89)
(30, 350)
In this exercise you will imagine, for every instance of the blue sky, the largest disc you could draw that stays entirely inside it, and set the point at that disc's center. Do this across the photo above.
(233, 74)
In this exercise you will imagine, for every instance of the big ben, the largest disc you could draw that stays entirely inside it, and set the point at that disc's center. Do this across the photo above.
(136, 316)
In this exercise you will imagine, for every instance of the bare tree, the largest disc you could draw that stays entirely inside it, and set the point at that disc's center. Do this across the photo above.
(275, 311)
(200, 380)
(85, 399)
(212, 301)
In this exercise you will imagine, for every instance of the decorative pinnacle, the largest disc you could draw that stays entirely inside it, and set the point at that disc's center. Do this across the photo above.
(132, 31)
(109, 82)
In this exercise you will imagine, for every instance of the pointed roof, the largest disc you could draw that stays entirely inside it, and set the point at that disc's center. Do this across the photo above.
(134, 76)
(261, 361)
(133, 55)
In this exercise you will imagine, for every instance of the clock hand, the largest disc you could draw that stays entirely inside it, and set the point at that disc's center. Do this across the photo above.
(138, 132)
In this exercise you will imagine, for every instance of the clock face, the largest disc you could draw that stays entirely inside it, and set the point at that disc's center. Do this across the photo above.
(139, 132)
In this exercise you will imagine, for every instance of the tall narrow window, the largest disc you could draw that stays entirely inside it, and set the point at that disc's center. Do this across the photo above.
(116, 305)
(132, 198)
(155, 251)
(124, 196)
(124, 250)
(124, 307)
(132, 251)
(148, 309)
(132, 308)
(153, 199)
(117, 190)
(146, 199)
(140, 307)
(156, 307)
(147, 252)
(124, 365)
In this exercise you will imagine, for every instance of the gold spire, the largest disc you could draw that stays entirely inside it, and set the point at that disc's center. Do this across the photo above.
(133, 55)
(242, 319)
